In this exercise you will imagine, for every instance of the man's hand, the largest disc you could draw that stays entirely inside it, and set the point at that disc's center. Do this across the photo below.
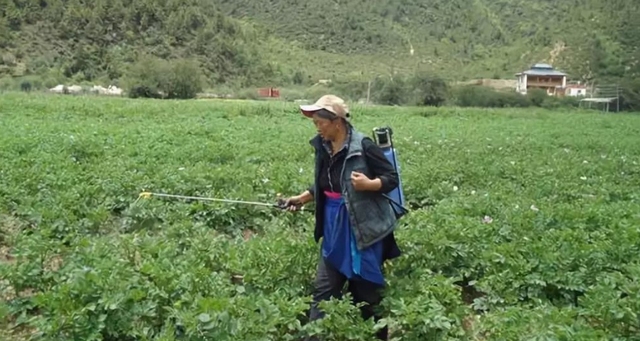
(362, 183)
(294, 203)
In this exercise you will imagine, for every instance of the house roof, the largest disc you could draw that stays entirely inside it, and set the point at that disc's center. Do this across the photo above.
(600, 100)
(542, 70)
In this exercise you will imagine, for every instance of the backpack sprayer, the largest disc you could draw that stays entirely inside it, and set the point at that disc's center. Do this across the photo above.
(384, 139)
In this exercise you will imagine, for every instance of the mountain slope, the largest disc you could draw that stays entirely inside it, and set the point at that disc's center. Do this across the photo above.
(460, 37)
(277, 42)
(85, 40)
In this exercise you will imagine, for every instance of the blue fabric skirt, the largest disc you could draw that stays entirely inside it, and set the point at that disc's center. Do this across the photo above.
(339, 246)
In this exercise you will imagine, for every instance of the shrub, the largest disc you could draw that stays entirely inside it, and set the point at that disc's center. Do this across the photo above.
(25, 86)
(485, 97)
(511, 100)
(552, 102)
(147, 77)
(184, 80)
(630, 95)
(397, 90)
(299, 78)
(429, 90)
(390, 91)
(156, 78)
(30, 83)
(537, 96)
(143, 91)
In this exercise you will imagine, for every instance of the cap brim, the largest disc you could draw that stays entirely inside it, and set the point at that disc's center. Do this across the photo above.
(308, 110)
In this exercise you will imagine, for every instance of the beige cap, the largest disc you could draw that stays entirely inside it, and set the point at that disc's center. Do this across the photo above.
(331, 103)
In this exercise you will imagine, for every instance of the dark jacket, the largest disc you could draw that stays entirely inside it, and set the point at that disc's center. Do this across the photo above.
(372, 217)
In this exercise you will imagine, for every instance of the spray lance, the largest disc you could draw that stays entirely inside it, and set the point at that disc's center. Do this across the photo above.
(279, 205)
(384, 139)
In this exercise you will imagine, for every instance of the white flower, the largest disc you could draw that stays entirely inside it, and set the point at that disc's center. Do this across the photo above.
(473, 192)
(265, 180)
(455, 188)
(181, 168)
(583, 178)
(487, 220)
(534, 208)
(513, 163)
(301, 170)
(585, 162)
(566, 150)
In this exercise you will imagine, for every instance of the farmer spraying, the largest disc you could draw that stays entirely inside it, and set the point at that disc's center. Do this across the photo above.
(354, 217)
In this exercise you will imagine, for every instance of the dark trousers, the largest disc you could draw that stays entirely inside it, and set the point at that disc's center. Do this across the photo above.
(329, 283)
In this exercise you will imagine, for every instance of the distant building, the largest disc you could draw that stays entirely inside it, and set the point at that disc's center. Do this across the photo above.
(576, 90)
(542, 76)
(269, 92)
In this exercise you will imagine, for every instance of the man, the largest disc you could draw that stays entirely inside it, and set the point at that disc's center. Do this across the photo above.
(353, 219)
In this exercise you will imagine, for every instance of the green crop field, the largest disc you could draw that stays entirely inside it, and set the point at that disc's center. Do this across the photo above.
(525, 223)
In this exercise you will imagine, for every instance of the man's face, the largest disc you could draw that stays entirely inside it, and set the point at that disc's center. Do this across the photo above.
(326, 128)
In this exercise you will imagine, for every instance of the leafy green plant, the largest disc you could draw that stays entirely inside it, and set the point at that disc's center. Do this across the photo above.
(523, 222)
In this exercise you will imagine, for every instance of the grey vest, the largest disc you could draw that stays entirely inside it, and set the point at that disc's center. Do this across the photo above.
(372, 217)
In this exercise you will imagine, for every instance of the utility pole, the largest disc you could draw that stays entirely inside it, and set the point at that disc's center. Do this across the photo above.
(618, 97)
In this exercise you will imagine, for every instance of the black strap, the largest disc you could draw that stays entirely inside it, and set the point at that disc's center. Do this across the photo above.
(406, 210)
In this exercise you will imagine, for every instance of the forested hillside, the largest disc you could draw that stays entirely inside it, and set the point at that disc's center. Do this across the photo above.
(462, 38)
(247, 43)
(86, 40)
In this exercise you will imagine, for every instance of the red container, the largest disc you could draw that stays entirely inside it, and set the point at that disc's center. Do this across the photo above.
(269, 92)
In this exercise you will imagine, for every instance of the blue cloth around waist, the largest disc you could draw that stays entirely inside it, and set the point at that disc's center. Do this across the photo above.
(339, 246)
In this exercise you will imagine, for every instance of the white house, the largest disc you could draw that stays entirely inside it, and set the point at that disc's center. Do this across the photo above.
(542, 76)
(576, 90)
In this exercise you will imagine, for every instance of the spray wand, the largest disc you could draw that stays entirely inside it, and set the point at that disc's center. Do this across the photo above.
(279, 205)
